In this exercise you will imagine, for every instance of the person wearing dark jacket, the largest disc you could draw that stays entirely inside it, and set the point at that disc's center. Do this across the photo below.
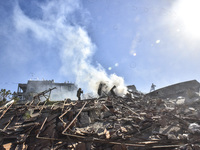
(112, 91)
(79, 94)
(100, 89)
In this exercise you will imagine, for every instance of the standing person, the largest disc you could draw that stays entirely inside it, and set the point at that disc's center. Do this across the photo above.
(112, 91)
(152, 87)
(79, 94)
(99, 91)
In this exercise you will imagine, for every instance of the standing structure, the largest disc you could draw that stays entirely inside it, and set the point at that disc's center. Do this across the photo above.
(33, 87)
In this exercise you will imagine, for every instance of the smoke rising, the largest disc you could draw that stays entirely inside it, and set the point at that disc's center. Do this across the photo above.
(59, 25)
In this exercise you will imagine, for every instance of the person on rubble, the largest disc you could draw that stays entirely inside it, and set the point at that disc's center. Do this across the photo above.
(99, 91)
(112, 91)
(152, 87)
(79, 94)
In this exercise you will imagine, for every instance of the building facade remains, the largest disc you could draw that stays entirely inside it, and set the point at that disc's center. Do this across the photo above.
(33, 87)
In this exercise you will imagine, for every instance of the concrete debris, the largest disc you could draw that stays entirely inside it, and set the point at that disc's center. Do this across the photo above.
(194, 128)
(110, 123)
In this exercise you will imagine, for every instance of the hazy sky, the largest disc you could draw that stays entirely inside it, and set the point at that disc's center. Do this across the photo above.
(141, 41)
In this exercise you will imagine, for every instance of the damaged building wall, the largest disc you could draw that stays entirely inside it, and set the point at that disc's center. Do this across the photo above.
(32, 88)
(132, 88)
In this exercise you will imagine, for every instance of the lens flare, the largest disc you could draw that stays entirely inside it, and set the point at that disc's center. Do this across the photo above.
(188, 14)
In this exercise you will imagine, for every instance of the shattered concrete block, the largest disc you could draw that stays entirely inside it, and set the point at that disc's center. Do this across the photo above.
(194, 128)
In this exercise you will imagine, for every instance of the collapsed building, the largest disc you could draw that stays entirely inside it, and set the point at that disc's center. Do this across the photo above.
(143, 122)
(33, 87)
(187, 89)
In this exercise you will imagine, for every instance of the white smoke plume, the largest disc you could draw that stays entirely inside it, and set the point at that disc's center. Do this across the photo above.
(58, 26)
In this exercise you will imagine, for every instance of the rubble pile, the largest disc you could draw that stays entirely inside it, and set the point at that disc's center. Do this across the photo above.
(109, 123)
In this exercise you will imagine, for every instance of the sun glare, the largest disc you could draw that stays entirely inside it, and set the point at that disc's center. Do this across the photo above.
(188, 13)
